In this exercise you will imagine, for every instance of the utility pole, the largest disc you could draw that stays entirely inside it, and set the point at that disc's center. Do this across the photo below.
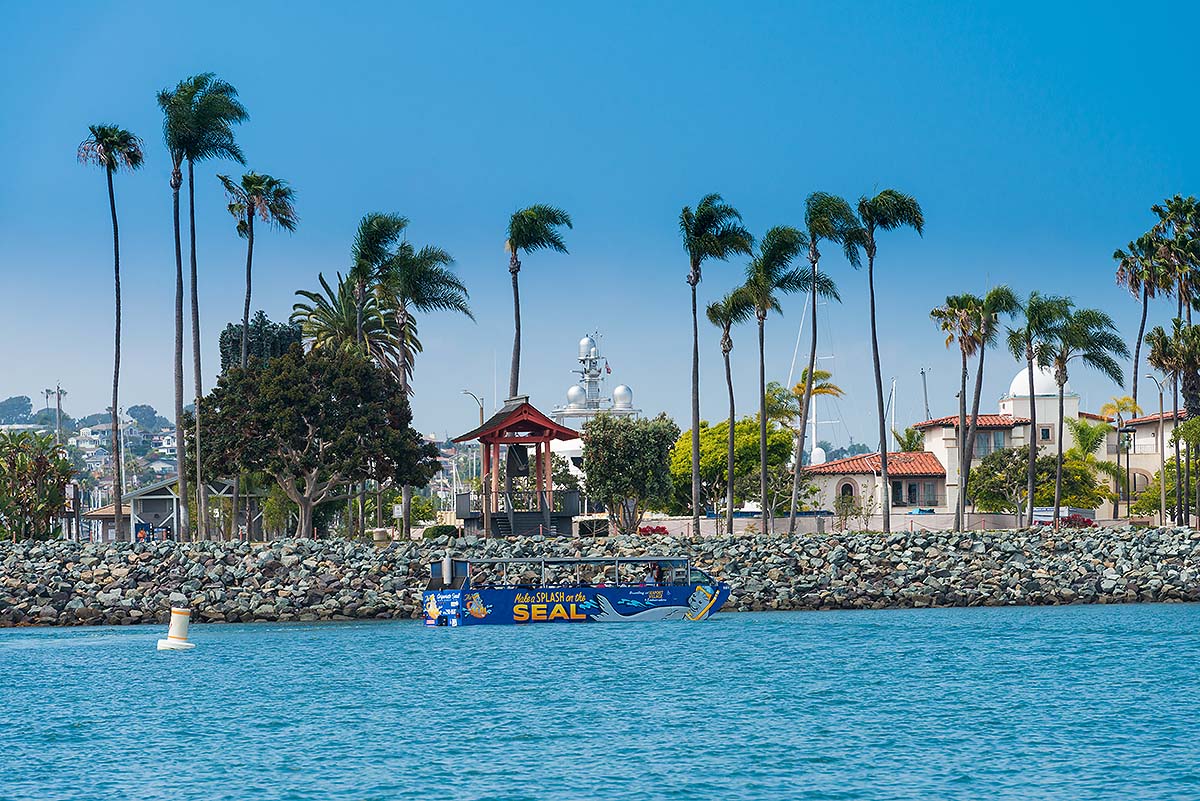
(58, 396)
(925, 389)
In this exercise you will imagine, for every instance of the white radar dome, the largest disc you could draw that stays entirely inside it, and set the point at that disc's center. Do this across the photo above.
(576, 396)
(1043, 383)
(623, 397)
(586, 346)
(817, 456)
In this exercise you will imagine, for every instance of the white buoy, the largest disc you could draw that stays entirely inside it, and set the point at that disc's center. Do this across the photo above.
(177, 633)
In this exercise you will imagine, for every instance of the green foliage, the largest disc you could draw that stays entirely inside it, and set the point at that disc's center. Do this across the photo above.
(198, 119)
(1147, 501)
(315, 422)
(999, 483)
(147, 417)
(268, 339)
(627, 462)
(423, 508)
(536, 228)
(560, 474)
(34, 473)
(433, 532)
(910, 440)
(714, 452)
(17, 409)
(713, 230)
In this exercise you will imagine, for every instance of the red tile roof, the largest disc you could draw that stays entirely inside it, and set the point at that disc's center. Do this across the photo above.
(920, 463)
(985, 421)
(1100, 417)
(1153, 418)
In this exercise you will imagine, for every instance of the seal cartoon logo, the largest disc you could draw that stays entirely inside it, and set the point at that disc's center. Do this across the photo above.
(701, 602)
(431, 608)
(476, 607)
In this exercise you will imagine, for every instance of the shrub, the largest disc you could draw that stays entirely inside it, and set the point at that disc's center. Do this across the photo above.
(653, 530)
(1076, 521)
(433, 532)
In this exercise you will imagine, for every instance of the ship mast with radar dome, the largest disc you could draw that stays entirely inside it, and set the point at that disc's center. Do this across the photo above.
(586, 399)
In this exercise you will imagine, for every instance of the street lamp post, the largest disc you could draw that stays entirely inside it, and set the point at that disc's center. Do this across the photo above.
(1128, 431)
(1162, 458)
(478, 400)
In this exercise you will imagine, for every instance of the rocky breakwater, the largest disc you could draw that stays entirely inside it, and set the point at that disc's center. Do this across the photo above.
(66, 583)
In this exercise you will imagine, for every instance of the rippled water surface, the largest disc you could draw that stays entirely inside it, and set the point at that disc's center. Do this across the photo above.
(1056, 703)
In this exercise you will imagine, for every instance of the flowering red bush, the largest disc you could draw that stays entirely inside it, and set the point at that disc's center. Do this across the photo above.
(652, 530)
(1076, 521)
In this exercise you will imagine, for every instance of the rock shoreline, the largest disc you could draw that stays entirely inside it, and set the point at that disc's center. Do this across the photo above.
(67, 583)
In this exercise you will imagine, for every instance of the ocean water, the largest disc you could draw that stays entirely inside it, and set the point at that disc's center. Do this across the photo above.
(1098, 702)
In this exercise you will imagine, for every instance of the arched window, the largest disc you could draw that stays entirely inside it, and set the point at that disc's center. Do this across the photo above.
(847, 490)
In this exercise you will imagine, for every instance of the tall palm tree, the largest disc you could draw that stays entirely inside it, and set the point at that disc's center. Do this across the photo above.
(1120, 409)
(200, 114)
(1175, 235)
(769, 275)
(957, 320)
(998, 301)
(886, 211)
(533, 228)
(1141, 272)
(713, 230)
(113, 148)
(418, 281)
(1165, 355)
(270, 200)
(1090, 337)
(334, 319)
(378, 236)
(731, 310)
(826, 218)
(1031, 342)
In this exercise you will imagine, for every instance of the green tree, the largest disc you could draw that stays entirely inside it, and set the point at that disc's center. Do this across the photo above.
(627, 464)
(316, 423)
(910, 440)
(886, 211)
(34, 473)
(112, 148)
(371, 254)
(999, 484)
(266, 340)
(270, 200)
(999, 301)
(956, 319)
(16, 409)
(734, 308)
(337, 320)
(769, 275)
(1121, 409)
(1090, 439)
(827, 218)
(1140, 270)
(713, 230)
(1031, 342)
(198, 119)
(147, 417)
(530, 229)
(1090, 337)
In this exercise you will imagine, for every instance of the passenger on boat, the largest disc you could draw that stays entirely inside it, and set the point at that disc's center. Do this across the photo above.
(654, 575)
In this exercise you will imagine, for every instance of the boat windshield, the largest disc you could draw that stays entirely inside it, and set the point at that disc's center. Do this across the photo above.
(599, 572)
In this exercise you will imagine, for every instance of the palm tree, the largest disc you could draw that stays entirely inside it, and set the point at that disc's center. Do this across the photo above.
(1120, 409)
(417, 280)
(1165, 355)
(957, 320)
(375, 243)
(1175, 235)
(998, 301)
(533, 228)
(334, 319)
(113, 148)
(1091, 337)
(199, 117)
(712, 231)
(886, 211)
(270, 200)
(826, 217)
(1031, 343)
(1140, 271)
(910, 440)
(1090, 438)
(770, 274)
(734, 308)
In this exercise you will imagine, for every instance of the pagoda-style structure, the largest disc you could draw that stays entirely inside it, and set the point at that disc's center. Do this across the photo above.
(501, 510)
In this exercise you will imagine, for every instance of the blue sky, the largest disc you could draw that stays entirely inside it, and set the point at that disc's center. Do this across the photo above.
(1035, 137)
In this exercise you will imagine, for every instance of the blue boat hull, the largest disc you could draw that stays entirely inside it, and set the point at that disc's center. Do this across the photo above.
(602, 604)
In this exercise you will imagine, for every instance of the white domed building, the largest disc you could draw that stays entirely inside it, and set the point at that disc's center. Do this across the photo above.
(929, 480)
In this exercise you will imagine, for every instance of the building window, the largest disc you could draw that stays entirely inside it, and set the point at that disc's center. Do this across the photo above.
(1044, 434)
(930, 493)
(988, 442)
(847, 490)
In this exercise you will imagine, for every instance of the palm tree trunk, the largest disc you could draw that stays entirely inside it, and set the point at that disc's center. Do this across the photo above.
(183, 529)
(514, 267)
(960, 508)
(1178, 463)
(1137, 346)
(808, 387)
(237, 483)
(1187, 483)
(118, 486)
(1058, 466)
(1033, 432)
(197, 374)
(730, 455)
(695, 411)
(974, 427)
(883, 439)
(762, 424)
